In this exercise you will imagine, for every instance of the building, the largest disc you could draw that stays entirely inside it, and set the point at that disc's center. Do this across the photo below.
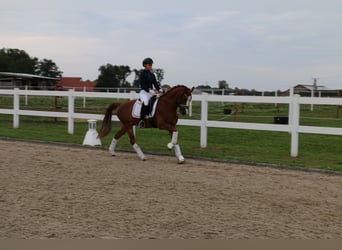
(312, 90)
(308, 89)
(76, 83)
(315, 91)
(10, 80)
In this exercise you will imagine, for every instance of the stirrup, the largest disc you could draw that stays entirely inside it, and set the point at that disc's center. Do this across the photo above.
(141, 124)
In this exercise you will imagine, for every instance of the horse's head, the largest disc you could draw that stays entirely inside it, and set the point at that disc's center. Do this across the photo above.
(184, 100)
(179, 96)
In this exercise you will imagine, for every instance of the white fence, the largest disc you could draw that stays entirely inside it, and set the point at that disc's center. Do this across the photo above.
(292, 127)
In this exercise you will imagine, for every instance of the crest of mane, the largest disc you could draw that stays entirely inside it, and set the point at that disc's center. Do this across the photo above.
(174, 89)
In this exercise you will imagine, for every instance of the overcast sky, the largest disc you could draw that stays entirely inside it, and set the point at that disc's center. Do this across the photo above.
(254, 44)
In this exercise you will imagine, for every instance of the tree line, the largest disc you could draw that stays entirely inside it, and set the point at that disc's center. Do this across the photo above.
(110, 76)
(18, 61)
(116, 76)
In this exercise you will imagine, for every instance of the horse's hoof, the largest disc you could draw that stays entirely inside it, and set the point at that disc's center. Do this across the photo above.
(170, 145)
(181, 160)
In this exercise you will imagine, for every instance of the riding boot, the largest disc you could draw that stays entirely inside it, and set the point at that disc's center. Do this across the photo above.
(143, 113)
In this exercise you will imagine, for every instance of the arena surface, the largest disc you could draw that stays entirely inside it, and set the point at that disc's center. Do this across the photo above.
(64, 192)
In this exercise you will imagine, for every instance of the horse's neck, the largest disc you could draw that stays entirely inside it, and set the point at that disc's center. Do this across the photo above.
(171, 97)
(174, 94)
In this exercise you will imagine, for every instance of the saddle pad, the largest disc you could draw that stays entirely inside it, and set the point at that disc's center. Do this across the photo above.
(137, 109)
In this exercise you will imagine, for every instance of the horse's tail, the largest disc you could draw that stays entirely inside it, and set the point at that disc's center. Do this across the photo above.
(107, 120)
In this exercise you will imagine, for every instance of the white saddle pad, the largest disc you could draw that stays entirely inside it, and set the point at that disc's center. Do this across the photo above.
(137, 109)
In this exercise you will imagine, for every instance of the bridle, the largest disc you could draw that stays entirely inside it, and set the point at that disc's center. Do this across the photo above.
(184, 107)
(180, 101)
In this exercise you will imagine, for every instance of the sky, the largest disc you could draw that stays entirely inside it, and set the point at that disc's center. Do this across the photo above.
(260, 44)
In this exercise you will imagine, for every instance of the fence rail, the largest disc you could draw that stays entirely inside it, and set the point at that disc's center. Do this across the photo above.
(293, 127)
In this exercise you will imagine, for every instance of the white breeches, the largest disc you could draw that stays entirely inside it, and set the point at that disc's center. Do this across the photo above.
(145, 96)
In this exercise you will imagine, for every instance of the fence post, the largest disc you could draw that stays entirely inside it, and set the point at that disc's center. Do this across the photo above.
(16, 106)
(84, 98)
(133, 97)
(312, 96)
(294, 125)
(204, 118)
(190, 109)
(71, 110)
(291, 94)
(26, 97)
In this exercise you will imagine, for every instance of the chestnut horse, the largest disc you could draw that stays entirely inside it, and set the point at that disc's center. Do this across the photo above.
(165, 118)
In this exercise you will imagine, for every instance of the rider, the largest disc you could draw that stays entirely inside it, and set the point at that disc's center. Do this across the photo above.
(147, 80)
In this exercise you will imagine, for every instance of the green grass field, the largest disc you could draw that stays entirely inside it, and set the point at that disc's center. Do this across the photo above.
(315, 151)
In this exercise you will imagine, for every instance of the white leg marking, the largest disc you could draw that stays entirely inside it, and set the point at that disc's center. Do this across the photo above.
(139, 152)
(178, 154)
(174, 140)
(112, 147)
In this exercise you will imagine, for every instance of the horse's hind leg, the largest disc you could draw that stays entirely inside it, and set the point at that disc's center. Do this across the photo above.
(117, 136)
(135, 145)
(112, 147)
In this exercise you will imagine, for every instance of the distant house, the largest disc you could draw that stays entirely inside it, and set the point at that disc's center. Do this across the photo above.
(76, 83)
(316, 90)
(10, 80)
(306, 88)
(311, 90)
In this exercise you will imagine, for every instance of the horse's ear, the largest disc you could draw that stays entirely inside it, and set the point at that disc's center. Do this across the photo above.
(192, 89)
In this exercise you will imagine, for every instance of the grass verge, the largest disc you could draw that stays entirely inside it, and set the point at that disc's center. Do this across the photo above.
(248, 146)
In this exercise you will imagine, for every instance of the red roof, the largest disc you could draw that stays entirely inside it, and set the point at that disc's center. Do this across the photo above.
(76, 83)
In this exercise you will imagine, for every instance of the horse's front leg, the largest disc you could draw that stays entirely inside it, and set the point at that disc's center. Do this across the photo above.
(174, 144)
(174, 139)
(178, 154)
(135, 145)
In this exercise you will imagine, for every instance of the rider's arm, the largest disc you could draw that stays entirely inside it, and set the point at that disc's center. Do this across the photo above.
(155, 83)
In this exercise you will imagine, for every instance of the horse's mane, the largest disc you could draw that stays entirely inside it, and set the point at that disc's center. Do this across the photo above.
(171, 90)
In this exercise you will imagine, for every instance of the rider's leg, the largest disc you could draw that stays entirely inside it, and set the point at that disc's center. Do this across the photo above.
(144, 96)
(143, 113)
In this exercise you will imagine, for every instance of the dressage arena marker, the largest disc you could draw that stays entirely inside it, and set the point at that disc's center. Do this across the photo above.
(91, 137)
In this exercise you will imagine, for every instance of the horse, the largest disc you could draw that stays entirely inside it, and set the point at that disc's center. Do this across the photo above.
(165, 118)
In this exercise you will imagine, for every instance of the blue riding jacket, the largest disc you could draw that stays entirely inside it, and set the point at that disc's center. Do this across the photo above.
(147, 80)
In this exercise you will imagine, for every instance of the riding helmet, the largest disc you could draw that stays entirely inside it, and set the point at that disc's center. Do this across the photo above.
(147, 61)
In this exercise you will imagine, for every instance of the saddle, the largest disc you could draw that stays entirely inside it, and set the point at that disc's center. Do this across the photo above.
(152, 104)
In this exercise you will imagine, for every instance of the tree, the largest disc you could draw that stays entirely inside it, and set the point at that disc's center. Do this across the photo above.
(17, 61)
(48, 68)
(135, 82)
(158, 72)
(203, 87)
(159, 75)
(113, 76)
(223, 84)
